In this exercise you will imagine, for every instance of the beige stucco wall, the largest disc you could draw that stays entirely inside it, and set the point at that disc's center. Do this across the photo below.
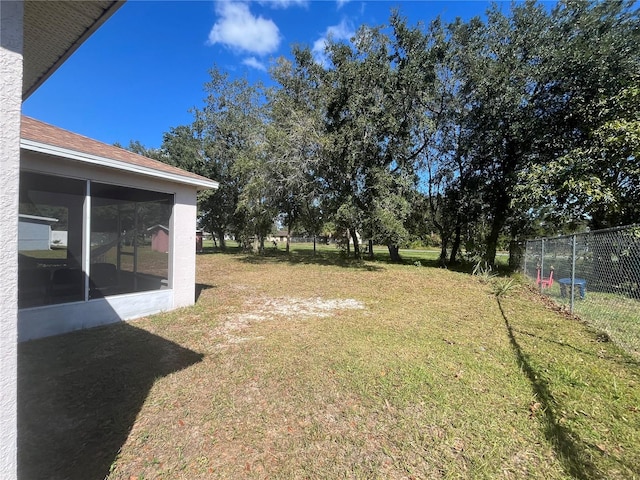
(11, 16)
(183, 266)
(183, 227)
(37, 322)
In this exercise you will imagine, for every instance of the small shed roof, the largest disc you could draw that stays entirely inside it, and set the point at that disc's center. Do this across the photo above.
(158, 227)
(41, 137)
(36, 218)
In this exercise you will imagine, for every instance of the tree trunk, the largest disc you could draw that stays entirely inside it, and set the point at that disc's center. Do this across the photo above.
(456, 244)
(516, 252)
(356, 245)
(499, 219)
(371, 249)
(501, 202)
(288, 238)
(394, 253)
(314, 245)
(444, 239)
(444, 242)
(223, 244)
(492, 244)
(443, 252)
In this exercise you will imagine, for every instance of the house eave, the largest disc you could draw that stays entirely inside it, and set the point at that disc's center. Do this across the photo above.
(39, 147)
(62, 45)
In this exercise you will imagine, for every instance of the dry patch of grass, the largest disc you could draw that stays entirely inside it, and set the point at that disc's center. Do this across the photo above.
(265, 309)
(314, 367)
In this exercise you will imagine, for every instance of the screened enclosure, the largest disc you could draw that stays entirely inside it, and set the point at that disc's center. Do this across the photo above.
(108, 249)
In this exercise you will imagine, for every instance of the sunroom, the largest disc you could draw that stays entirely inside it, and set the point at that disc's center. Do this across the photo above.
(104, 205)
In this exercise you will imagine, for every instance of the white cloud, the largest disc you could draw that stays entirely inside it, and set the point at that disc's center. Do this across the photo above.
(239, 29)
(253, 62)
(341, 3)
(342, 31)
(286, 3)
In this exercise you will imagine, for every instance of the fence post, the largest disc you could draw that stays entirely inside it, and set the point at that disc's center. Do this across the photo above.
(526, 249)
(573, 272)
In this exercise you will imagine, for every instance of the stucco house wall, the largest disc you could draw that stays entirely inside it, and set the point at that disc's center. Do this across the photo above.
(11, 68)
(27, 58)
(182, 268)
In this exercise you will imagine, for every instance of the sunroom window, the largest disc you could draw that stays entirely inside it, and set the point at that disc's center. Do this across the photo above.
(128, 240)
(50, 233)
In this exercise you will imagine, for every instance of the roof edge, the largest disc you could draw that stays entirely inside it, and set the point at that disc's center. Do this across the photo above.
(106, 14)
(45, 148)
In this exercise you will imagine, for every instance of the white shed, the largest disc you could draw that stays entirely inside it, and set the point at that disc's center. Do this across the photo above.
(34, 232)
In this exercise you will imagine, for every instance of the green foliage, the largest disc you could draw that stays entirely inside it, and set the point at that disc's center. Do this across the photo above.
(483, 270)
(295, 143)
(374, 104)
(600, 178)
(484, 131)
(502, 287)
(593, 175)
(232, 127)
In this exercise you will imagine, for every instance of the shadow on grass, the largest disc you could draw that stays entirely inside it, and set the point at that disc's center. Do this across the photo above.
(411, 259)
(622, 360)
(571, 451)
(201, 287)
(334, 257)
(304, 257)
(79, 395)
(331, 256)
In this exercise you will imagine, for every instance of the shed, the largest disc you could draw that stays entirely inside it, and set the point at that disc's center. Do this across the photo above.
(34, 232)
(159, 238)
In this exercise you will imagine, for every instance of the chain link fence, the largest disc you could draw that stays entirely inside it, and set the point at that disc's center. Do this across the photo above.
(595, 275)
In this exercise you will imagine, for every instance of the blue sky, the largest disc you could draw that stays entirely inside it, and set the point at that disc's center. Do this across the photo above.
(142, 71)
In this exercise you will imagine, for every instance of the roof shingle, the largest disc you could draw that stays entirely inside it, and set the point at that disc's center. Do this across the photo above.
(37, 131)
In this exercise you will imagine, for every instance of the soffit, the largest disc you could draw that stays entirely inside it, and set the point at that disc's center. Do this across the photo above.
(53, 30)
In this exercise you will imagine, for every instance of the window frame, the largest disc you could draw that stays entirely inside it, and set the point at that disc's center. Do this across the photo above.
(85, 261)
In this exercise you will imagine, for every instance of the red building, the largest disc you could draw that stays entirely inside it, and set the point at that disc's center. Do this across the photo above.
(159, 238)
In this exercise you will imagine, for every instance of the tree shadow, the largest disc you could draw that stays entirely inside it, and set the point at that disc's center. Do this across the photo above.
(409, 259)
(79, 395)
(570, 449)
(337, 258)
(200, 287)
(229, 250)
(623, 360)
(301, 257)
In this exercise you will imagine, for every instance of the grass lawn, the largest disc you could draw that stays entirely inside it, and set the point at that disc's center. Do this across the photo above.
(616, 315)
(322, 367)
